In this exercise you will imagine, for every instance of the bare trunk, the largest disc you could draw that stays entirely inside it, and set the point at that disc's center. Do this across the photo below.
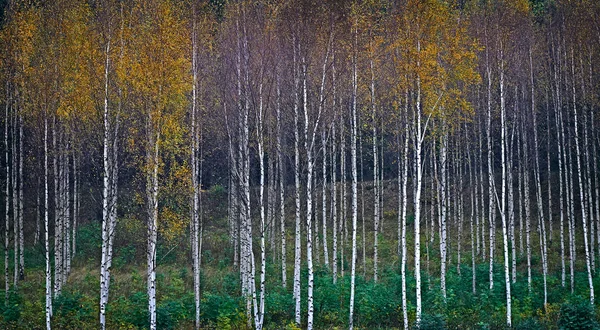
(581, 190)
(403, 212)
(375, 175)
(354, 183)
(7, 206)
(20, 206)
(297, 243)
(324, 199)
(444, 206)
(46, 236)
(281, 191)
(540, 208)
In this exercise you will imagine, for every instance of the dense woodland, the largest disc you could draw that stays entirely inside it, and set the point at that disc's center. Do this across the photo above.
(300, 164)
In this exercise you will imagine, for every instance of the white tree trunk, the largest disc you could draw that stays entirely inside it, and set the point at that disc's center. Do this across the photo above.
(482, 211)
(259, 316)
(444, 207)
(503, 198)
(76, 203)
(375, 174)
(491, 214)
(362, 206)
(297, 243)
(152, 205)
(57, 212)
(354, 182)
(571, 208)
(527, 206)
(15, 198)
(561, 177)
(596, 183)
(67, 219)
(342, 228)
(194, 179)
(324, 199)
(334, 258)
(309, 206)
(20, 206)
(46, 238)
(540, 208)
(418, 139)
(473, 216)
(7, 204)
(36, 237)
(107, 199)
(403, 213)
(581, 190)
(281, 190)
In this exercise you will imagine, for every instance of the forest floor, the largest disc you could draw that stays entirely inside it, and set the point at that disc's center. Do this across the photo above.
(378, 305)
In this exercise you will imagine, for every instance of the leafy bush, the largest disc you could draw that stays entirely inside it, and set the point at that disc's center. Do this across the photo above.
(216, 308)
(72, 310)
(528, 324)
(577, 315)
(171, 312)
(89, 242)
(432, 322)
(11, 311)
(129, 311)
(125, 255)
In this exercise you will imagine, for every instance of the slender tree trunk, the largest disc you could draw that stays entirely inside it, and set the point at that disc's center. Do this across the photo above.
(491, 216)
(443, 213)
(334, 214)
(152, 205)
(587, 178)
(194, 179)
(7, 203)
(281, 189)
(511, 198)
(527, 207)
(482, 192)
(354, 179)
(20, 215)
(343, 195)
(309, 208)
(503, 198)
(376, 214)
(260, 309)
(540, 208)
(521, 188)
(57, 211)
(596, 182)
(419, 136)
(106, 178)
(15, 198)
(334, 258)
(76, 201)
(581, 190)
(297, 245)
(561, 187)
(36, 237)
(67, 222)
(403, 212)
(324, 198)
(46, 237)
(473, 184)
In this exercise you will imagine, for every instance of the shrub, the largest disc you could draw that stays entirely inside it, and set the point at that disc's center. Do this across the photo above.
(73, 311)
(432, 322)
(11, 311)
(577, 315)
